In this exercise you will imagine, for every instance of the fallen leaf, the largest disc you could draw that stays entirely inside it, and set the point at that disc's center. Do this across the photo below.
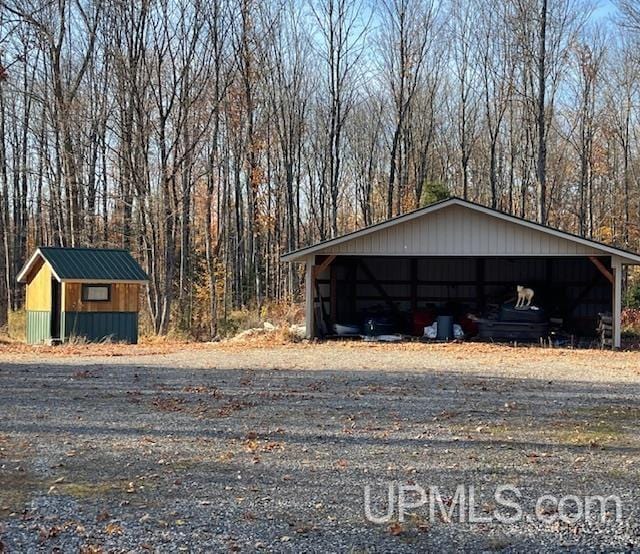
(103, 516)
(113, 529)
(90, 549)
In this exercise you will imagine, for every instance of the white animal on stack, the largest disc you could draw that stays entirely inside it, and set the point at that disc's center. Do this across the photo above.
(524, 294)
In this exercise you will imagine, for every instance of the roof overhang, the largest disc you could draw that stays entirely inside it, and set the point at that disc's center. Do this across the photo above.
(22, 276)
(28, 267)
(626, 257)
(104, 281)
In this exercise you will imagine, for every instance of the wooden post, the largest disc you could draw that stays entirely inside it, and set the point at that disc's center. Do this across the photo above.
(333, 294)
(378, 287)
(616, 264)
(353, 294)
(480, 293)
(324, 265)
(414, 285)
(602, 269)
(309, 297)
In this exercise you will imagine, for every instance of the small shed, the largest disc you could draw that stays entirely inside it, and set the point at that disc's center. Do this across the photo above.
(459, 253)
(82, 292)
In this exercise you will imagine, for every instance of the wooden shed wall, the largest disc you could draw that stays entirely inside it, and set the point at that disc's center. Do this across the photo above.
(124, 298)
(460, 231)
(38, 297)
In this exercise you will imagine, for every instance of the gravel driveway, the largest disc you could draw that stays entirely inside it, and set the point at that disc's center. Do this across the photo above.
(270, 449)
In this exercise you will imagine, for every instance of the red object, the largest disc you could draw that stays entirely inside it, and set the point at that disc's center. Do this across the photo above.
(422, 319)
(469, 326)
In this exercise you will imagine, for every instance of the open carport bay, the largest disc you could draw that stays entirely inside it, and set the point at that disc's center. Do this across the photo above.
(570, 290)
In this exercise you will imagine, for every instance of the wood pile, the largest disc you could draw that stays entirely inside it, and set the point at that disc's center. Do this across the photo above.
(605, 330)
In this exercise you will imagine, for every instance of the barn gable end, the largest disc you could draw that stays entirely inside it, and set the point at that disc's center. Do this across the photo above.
(459, 231)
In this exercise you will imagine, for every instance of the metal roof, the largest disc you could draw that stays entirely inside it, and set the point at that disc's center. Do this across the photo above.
(87, 264)
(320, 247)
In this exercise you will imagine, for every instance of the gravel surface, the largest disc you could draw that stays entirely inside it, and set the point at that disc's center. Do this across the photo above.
(235, 448)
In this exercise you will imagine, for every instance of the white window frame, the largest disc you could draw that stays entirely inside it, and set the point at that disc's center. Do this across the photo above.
(87, 287)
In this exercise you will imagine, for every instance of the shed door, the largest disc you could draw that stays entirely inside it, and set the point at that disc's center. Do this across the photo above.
(56, 291)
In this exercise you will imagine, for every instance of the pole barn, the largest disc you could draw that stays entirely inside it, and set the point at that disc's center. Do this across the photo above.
(456, 256)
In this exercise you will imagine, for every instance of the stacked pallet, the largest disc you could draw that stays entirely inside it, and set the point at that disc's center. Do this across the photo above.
(605, 330)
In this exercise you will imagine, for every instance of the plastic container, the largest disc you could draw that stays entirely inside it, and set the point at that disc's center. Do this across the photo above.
(445, 327)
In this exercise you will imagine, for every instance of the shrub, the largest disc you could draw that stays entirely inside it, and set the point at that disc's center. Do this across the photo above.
(631, 320)
(632, 297)
(433, 191)
(17, 325)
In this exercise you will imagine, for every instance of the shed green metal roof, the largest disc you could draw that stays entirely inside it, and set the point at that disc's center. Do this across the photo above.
(89, 264)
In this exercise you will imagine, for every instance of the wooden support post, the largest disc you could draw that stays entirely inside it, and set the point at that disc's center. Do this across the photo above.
(378, 287)
(414, 284)
(616, 264)
(333, 295)
(325, 263)
(310, 297)
(353, 295)
(480, 292)
(602, 269)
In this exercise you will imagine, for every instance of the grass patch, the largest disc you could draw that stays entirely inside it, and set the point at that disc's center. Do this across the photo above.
(592, 427)
(592, 435)
(600, 425)
(91, 489)
(17, 325)
(619, 414)
(16, 487)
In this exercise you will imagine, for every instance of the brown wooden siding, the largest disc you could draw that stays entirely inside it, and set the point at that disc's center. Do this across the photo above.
(39, 289)
(124, 298)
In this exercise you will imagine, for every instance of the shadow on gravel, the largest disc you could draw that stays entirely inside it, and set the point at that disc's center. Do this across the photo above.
(261, 455)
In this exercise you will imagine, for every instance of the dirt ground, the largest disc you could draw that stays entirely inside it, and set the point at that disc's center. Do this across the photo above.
(256, 446)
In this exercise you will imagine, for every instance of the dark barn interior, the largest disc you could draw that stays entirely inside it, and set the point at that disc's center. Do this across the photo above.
(571, 291)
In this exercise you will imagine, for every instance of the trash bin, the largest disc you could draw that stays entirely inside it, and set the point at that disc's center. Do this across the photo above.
(445, 327)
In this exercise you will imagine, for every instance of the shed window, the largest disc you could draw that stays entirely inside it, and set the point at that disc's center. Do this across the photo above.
(96, 293)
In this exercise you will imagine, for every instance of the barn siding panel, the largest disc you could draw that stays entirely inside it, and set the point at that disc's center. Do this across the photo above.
(100, 326)
(124, 298)
(38, 326)
(459, 231)
(38, 296)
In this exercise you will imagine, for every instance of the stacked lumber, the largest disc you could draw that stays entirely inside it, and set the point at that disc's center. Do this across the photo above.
(605, 330)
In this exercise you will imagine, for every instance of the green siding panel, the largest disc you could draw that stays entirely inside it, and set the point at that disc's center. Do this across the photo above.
(38, 326)
(100, 326)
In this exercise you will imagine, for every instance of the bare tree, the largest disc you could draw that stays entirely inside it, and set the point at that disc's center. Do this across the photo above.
(343, 25)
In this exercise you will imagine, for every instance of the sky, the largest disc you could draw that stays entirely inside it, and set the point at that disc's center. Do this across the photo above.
(604, 9)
